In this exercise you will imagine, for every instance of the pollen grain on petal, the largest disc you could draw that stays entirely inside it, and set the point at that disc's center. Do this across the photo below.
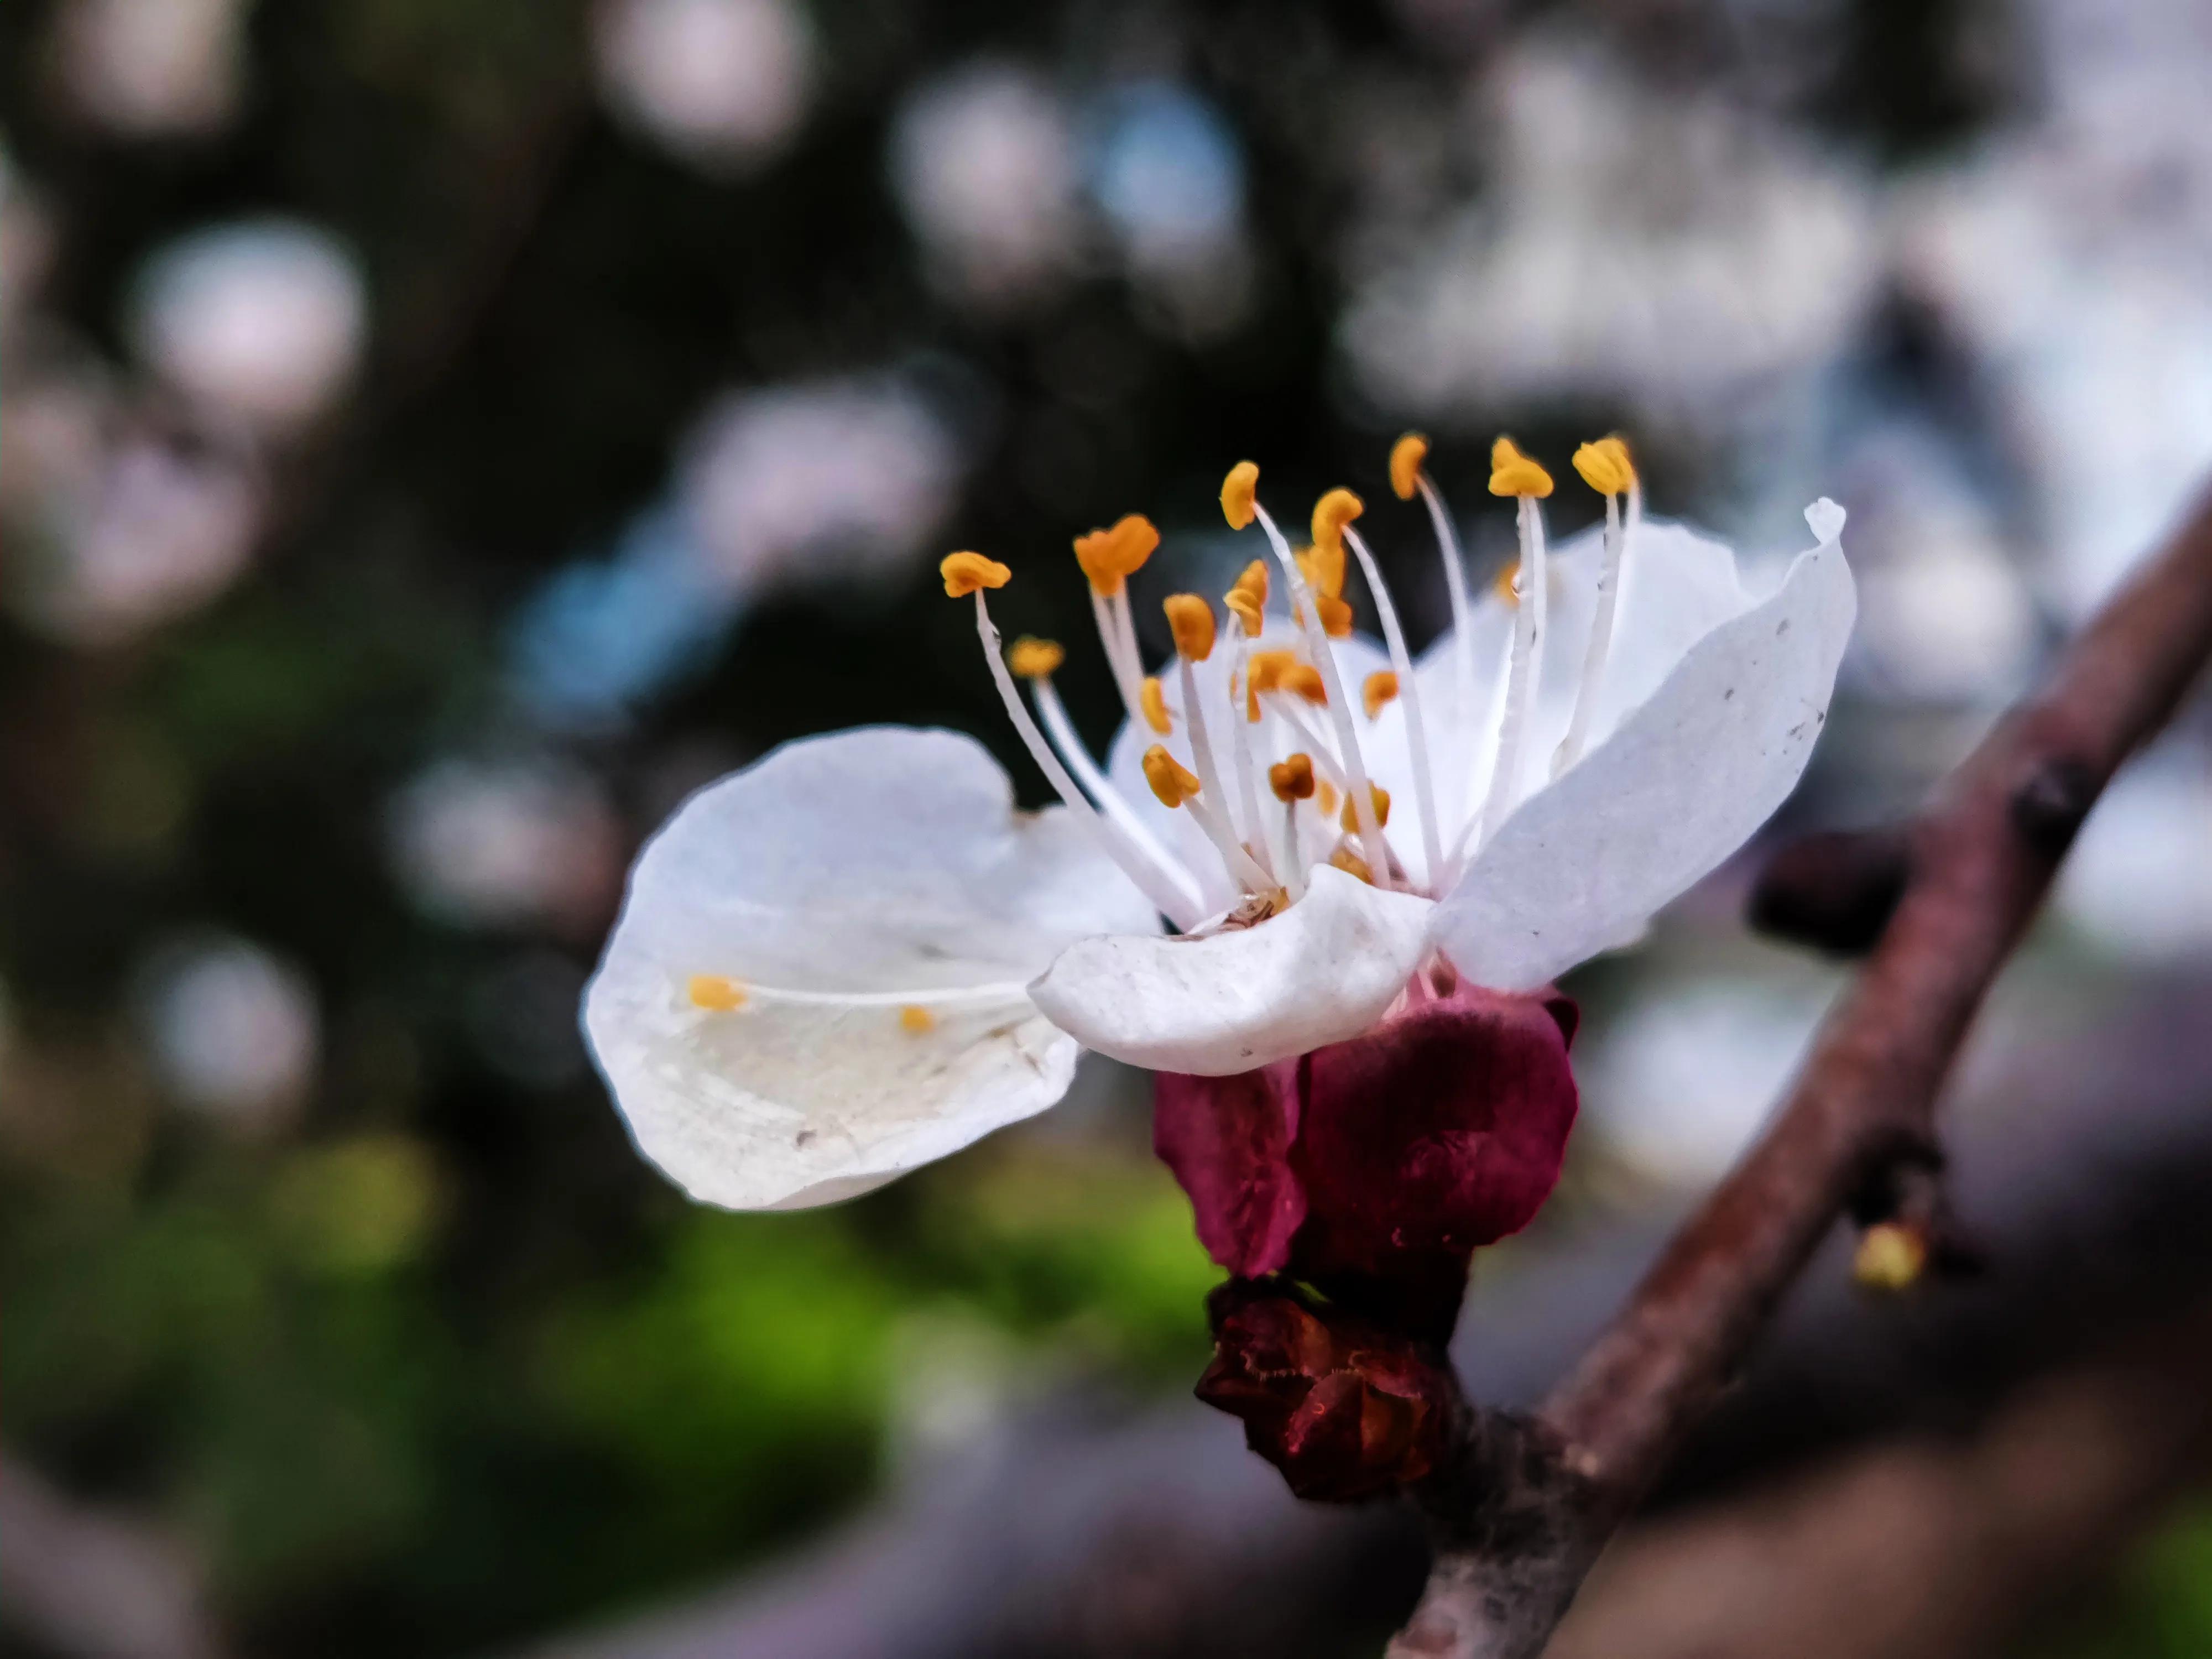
(1891, 1257)
(716, 994)
(1512, 473)
(1380, 688)
(916, 1020)
(1406, 456)
(1237, 491)
(964, 572)
(1154, 702)
(1381, 797)
(1190, 618)
(1171, 781)
(1033, 659)
(1334, 510)
(1605, 466)
(1292, 779)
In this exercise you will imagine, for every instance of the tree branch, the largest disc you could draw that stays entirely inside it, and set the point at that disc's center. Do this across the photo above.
(1980, 860)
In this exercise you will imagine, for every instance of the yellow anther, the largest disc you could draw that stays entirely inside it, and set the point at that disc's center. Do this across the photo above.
(1335, 616)
(1264, 672)
(916, 1020)
(1507, 583)
(1190, 619)
(1381, 687)
(1325, 797)
(1338, 508)
(1249, 597)
(1238, 490)
(964, 572)
(1292, 779)
(1891, 1257)
(1512, 473)
(1350, 818)
(1304, 680)
(1352, 863)
(1247, 610)
(1154, 702)
(1405, 458)
(1605, 467)
(1033, 659)
(716, 994)
(1171, 782)
(1109, 557)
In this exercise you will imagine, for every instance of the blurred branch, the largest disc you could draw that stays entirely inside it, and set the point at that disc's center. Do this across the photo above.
(1524, 1512)
(1918, 1549)
(90, 1585)
(2081, 1161)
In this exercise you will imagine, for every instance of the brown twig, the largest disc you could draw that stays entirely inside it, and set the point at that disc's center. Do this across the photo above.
(1515, 1536)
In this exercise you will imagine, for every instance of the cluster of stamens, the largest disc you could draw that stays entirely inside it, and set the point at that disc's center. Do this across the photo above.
(1290, 726)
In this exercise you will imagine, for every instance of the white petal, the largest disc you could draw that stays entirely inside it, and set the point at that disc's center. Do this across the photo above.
(838, 881)
(1682, 783)
(1323, 970)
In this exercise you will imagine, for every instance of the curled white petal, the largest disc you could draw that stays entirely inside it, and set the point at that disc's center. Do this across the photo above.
(835, 884)
(1220, 1003)
(1681, 781)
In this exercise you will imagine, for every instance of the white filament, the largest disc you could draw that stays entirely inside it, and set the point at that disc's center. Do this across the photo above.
(1221, 825)
(1377, 850)
(1157, 883)
(1601, 640)
(1463, 614)
(1526, 665)
(1061, 731)
(1402, 664)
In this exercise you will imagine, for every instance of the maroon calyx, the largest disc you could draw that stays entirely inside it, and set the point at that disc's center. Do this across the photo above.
(1346, 1410)
(1373, 1167)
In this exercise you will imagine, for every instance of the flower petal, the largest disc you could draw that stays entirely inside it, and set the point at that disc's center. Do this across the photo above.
(1241, 997)
(1684, 779)
(1228, 1140)
(829, 889)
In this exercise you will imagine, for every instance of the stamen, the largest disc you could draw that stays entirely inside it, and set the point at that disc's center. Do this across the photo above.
(1108, 558)
(1169, 889)
(916, 1020)
(1240, 750)
(1061, 731)
(1378, 693)
(1292, 780)
(1303, 679)
(1238, 503)
(1407, 475)
(1605, 467)
(716, 994)
(1176, 785)
(1248, 597)
(969, 573)
(1512, 473)
(1380, 796)
(1405, 458)
(1152, 702)
(1033, 659)
(1402, 683)
(1191, 620)
(1172, 782)
(1370, 832)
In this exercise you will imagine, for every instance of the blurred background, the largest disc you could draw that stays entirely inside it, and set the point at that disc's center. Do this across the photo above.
(437, 434)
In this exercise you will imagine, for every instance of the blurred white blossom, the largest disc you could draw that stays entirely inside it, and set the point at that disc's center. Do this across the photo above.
(152, 68)
(1669, 252)
(505, 843)
(1168, 175)
(2139, 878)
(154, 529)
(720, 82)
(1679, 1080)
(825, 476)
(983, 160)
(261, 320)
(2073, 255)
(26, 246)
(233, 1032)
